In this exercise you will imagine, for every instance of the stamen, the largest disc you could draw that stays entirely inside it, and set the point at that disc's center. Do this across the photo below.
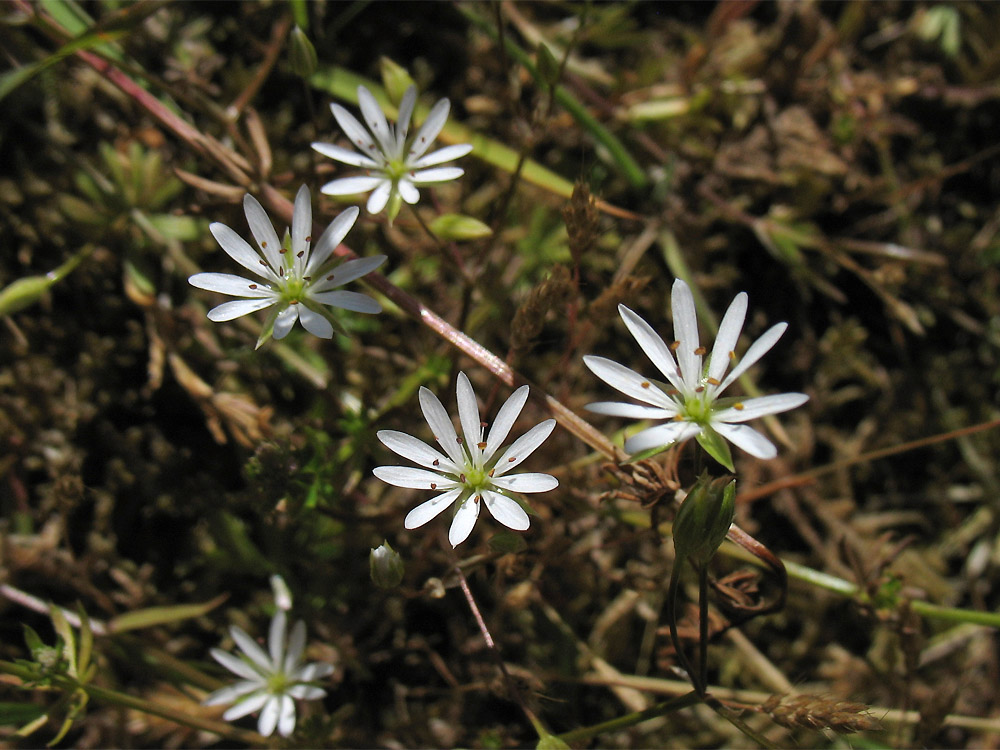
(283, 250)
(294, 302)
(309, 238)
(645, 384)
(435, 462)
(739, 407)
(713, 381)
(673, 346)
(461, 478)
(483, 425)
(433, 486)
(491, 473)
(253, 286)
(732, 356)
(459, 441)
(481, 446)
(476, 500)
(330, 277)
(673, 392)
(264, 245)
(262, 263)
(701, 351)
(678, 417)
(300, 253)
(699, 389)
(512, 459)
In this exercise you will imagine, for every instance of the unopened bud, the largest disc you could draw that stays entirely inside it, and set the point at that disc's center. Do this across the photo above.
(395, 78)
(704, 518)
(302, 54)
(282, 594)
(386, 566)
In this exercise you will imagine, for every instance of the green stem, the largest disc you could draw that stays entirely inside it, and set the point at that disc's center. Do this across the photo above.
(630, 720)
(703, 626)
(675, 577)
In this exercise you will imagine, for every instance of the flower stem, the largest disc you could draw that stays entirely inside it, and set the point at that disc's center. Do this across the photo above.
(630, 720)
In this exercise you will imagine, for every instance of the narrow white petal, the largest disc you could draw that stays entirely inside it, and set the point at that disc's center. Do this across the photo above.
(351, 185)
(239, 250)
(760, 407)
(729, 334)
(276, 637)
(332, 236)
(349, 271)
(315, 323)
(436, 174)
(629, 411)
(235, 665)
(237, 308)
(306, 692)
(468, 416)
(380, 196)
(415, 450)
(269, 716)
(355, 131)
(286, 719)
(661, 434)
(746, 437)
(285, 320)
(430, 129)
(353, 301)
(246, 706)
(464, 521)
(314, 671)
(442, 155)
(296, 645)
(628, 381)
(440, 423)
(757, 349)
(505, 421)
(412, 478)
(227, 283)
(232, 693)
(430, 509)
(506, 511)
(375, 120)
(529, 482)
(686, 331)
(249, 647)
(407, 191)
(653, 345)
(403, 118)
(263, 232)
(345, 156)
(523, 447)
(301, 224)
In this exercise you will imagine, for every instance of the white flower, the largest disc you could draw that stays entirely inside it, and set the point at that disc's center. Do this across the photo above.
(270, 681)
(297, 281)
(394, 169)
(471, 471)
(690, 398)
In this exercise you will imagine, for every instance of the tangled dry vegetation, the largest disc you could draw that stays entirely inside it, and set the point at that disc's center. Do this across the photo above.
(837, 162)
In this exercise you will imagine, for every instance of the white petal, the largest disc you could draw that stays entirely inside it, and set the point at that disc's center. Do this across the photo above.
(757, 349)
(249, 647)
(227, 283)
(239, 250)
(506, 511)
(653, 346)
(314, 671)
(630, 411)
(285, 320)
(296, 645)
(505, 421)
(729, 334)
(263, 231)
(301, 224)
(437, 174)
(407, 191)
(332, 236)
(441, 426)
(351, 185)
(523, 447)
(379, 197)
(286, 719)
(375, 120)
(237, 308)
(355, 131)
(306, 692)
(353, 301)
(315, 323)
(246, 706)
(628, 381)
(415, 450)
(430, 509)
(349, 271)
(235, 665)
(276, 638)
(343, 155)
(746, 437)
(468, 416)
(464, 521)
(661, 434)
(529, 482)
(232, 693)
(686, 331)
(412, 478)
(442, 155)
(403, 118)
(430, 129)
(760, 407)
(269, 716)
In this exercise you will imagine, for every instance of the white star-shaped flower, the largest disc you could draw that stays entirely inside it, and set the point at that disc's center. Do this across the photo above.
(297, 280)
(395, 165)
(271, 680)
(690, 399)
(472, 471)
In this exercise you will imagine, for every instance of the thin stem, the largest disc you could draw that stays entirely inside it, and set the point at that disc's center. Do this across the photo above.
(630, 720)
(703, 625)
(675, 576)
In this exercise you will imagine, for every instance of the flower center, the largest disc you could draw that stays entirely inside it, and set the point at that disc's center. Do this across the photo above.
(396, 169)
(277, 683)
(477, 479)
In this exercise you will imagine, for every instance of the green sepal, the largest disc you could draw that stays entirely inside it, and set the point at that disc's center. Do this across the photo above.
(716, 446)
(449, 227)
(648, 453)
(327, 313)
(268, 331)
(395, 203)
(395, 78)
(551, 742)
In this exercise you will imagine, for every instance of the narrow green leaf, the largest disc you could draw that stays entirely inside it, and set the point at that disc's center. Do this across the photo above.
(19, 713)
(716, 446)
(146, 618)
(449, 227)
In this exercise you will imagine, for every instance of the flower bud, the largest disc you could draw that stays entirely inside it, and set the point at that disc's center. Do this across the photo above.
(386, 566)
(704, 518)
(302, 54)
(282, 595)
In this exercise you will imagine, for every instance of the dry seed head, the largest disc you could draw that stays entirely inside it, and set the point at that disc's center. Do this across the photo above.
(815, 712)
